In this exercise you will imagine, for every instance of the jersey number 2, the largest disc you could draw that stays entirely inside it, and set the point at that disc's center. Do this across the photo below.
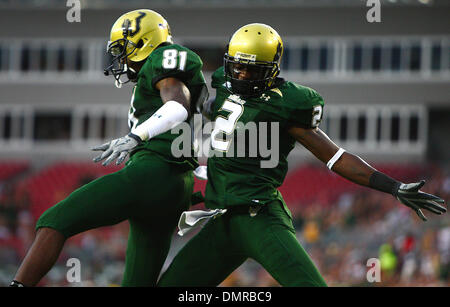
(226, 125)
(317, 116)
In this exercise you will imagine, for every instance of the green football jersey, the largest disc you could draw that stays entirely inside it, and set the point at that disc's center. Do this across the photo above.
(240, 169)
(166, 61)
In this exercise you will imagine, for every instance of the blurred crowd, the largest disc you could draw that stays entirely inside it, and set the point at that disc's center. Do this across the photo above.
(340, 238)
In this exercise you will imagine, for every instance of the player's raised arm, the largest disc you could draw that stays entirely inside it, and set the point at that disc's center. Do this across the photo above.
(176, 104)
(358, 171)
(174, 89)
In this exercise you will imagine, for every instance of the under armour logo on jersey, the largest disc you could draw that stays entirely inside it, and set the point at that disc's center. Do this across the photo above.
(236, 98)
(265, 97)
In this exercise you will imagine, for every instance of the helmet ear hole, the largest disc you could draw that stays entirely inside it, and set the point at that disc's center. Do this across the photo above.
(140, 44)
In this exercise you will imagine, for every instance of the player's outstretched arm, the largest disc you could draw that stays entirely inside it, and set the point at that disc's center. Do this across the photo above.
(358, 171)
(176, 105)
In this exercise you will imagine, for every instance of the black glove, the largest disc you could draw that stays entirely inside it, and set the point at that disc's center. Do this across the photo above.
(410, 195)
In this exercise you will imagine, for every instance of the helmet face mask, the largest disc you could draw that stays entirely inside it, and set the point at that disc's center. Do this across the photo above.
(247, 78)
(252, 61)
(119, 50)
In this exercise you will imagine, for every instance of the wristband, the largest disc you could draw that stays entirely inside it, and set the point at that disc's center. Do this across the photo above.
(135, 137)
(384, 183)
(336, 157)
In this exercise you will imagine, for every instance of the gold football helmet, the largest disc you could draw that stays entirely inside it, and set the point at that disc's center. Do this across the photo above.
(253, 58)
(133, 37)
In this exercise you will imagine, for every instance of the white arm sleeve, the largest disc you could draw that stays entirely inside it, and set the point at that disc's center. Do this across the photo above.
(165, 118)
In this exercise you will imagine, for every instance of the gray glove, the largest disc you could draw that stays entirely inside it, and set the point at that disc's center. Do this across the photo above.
(410, 195)
(117, 149)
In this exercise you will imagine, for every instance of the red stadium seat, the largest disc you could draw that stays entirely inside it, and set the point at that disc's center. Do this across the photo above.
(305, 185)
(8, 169)
(57, 181)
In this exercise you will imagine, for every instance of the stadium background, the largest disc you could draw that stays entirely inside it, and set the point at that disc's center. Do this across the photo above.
(387, 98)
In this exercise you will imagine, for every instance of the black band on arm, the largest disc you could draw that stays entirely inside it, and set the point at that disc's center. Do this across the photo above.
(383, 183)
(134, 136)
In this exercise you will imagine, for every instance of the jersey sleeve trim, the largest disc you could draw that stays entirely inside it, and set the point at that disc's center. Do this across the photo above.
(183, 76)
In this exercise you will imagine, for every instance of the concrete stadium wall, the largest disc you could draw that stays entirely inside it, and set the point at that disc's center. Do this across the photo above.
(200, 22)
(222, 22)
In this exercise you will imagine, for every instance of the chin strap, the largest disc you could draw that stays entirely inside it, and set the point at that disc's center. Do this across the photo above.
(126, 70)
(119, 82)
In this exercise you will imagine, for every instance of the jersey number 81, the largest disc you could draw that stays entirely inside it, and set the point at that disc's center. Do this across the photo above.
(173, 58)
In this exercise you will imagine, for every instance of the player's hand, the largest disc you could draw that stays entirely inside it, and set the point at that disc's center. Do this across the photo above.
(117, 149)
(410, 195)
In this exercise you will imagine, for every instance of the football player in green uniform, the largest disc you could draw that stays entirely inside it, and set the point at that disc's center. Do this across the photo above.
(257, 223)
(154, 187)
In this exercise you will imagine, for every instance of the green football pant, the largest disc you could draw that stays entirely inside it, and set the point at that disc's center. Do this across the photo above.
(228, 240)
(148, 192)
